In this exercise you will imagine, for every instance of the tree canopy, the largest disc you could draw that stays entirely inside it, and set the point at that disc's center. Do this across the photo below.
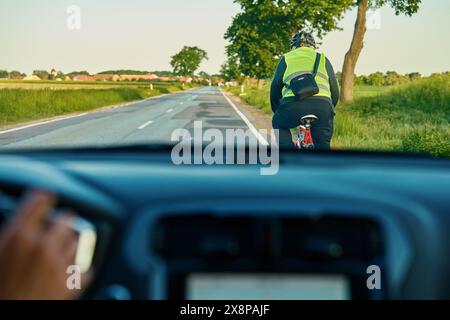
(78, 73)
(44, 75)
(231, 71)
(16, 75)
(261, 33)
(188, 60)
(407, 7)
(4, 74)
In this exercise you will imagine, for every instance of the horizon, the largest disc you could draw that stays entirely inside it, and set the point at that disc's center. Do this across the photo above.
(132, 72)
(111, 37)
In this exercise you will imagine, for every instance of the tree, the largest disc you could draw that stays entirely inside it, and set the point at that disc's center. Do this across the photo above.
(61, 75)
(73, 74)
(4, 74)
(414, 76)
(361, 80)
(251, 46)
(376, 79)
(204, 75)
(163, 73)
(403, 79)
(188, 60)
(231, 71)
(261, 33)
(391, 78)
(16, 75)
(407, 7)
(44, 75)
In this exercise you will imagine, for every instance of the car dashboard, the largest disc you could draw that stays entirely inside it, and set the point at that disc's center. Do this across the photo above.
(316, 230)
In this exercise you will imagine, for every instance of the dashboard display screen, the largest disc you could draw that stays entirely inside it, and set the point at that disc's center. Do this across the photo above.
(267, 287)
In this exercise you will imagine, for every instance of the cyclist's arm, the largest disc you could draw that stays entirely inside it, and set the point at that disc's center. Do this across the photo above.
(276, 89)
(334, 86)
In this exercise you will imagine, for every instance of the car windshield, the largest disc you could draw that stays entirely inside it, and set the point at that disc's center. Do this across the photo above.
(298, 75)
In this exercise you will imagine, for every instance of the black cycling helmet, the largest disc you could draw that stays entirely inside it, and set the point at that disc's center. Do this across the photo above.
(303, 38)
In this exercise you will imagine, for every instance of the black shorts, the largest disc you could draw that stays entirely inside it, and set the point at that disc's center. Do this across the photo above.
(289, 115)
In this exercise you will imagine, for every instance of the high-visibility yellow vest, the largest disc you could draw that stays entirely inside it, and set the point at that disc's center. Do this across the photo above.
(301, 61)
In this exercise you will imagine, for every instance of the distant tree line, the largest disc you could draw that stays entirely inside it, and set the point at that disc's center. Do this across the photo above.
(46, 75)
(78, 73)
(125, 72)
(164, 73)
(11, 75)
(390, 78)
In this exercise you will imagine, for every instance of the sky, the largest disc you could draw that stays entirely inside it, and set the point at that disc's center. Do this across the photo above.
(144, 34)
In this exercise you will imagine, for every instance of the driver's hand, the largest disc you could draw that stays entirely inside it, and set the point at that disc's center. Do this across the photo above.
(35, 254)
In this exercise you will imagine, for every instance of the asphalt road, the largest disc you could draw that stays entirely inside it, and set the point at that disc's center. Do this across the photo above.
(149, 121)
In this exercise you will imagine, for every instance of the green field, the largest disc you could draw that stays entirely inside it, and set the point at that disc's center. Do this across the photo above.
(22, 101)
(407, 118)
(61, 85)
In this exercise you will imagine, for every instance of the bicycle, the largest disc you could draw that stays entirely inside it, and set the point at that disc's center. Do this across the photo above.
(304, 139)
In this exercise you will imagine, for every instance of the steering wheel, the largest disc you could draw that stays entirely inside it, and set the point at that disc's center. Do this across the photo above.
(97, 214)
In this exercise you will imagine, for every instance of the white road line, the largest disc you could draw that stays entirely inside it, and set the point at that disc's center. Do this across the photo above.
(43, 122)
(169, 111)
(145, 125)
(252, 128)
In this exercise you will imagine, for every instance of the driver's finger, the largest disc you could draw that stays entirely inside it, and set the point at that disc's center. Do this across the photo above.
(70, 251)
(60, 233)
(35, 208)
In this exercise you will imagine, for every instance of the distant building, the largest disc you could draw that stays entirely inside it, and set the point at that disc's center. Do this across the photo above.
(54, 73)
(165, 79)
(83, 77)
(31, 78)
(137, 77)
(107, 77)
(185, 79)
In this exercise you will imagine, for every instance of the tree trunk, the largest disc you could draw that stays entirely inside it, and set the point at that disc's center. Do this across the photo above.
(260, 84)
(352, 55)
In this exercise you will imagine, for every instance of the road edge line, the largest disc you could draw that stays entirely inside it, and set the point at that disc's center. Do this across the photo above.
(250, 125)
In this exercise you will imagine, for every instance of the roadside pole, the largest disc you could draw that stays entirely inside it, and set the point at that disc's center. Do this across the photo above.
(242, 90)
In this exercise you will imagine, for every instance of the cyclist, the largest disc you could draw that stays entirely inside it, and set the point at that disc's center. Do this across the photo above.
(288, 109)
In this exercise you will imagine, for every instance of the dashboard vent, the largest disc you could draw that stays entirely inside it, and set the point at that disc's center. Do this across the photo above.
(275, 238)
(205, 236)
(331, 238)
